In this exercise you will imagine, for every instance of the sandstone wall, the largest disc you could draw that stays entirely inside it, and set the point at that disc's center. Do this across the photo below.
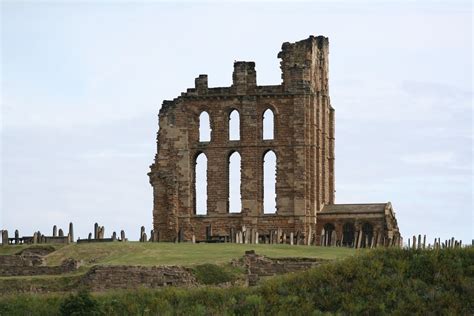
(101, 278)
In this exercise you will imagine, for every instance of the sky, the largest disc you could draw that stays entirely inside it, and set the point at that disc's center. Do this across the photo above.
(82, 83)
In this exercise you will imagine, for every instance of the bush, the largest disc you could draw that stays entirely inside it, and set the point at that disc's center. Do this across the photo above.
(80, 304)
(376, 282)
(212, 274)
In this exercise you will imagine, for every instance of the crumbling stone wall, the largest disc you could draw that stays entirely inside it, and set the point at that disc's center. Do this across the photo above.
(303, 143)
(100, 278)
(67, 266)
(258, 266)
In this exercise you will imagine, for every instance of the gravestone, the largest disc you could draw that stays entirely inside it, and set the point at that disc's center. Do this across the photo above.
(71, 232)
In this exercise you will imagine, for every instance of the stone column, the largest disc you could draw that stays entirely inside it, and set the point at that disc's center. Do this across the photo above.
(359, 238)
(122, 235)
(114, 236)
(256, 237)
(333, 238)
(142, 233)
(291, 238)
(96, 231)
(193, 239)
(17, 236)
(71, 232)
(5, 237)
(309, 236)
(60, 233)
(55, 230)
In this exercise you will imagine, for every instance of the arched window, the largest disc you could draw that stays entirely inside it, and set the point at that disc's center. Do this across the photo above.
(268, 124)
(348, 234)
(200, 186)
(329, 238)
(367, 235)
(204, 127)
(269, 183)
(235, 203)
(234, 125)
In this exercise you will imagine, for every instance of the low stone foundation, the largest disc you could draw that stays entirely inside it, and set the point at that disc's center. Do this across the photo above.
(101, 278)
(260, 266)
(67, 266)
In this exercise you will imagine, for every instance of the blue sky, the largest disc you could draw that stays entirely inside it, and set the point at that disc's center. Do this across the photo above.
(82, 84)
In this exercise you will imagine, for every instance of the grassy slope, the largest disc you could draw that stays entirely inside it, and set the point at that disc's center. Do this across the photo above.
(380, 282)
(135, 253)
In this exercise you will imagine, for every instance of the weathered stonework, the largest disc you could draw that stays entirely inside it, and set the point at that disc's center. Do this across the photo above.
(303, 143)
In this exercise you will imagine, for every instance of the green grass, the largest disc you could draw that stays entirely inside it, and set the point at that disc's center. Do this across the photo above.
(375, 282)
(13, 249)
(185, 254)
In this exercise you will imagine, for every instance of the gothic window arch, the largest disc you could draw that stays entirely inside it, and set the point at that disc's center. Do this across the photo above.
(204, 127)
(234, 176)
(269, 182)
(234, 125)
(268, 124)
(200, 184)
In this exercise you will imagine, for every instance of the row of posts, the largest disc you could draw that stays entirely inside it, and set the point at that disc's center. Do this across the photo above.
(419, 243)
(38, 237)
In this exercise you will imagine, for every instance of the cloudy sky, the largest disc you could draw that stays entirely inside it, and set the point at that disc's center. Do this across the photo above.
(82, 83)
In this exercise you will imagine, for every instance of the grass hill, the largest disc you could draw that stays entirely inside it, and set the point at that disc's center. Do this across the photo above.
(374, 282)
(185, 254)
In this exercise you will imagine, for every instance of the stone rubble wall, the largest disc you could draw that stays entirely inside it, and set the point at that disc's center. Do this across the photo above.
(260, 266)
(101, 278)
(67, 266)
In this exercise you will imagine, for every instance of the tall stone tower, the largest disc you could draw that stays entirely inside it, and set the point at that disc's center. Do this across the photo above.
(303, 143)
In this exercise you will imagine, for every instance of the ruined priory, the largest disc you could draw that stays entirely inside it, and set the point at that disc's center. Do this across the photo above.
(302, 142)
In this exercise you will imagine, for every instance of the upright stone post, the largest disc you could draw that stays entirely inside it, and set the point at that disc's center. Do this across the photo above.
(144, 237)
(71, 232)
(452, 242)
(142, 233)
(5, 237)
(333, 238)
(89, 237)
(284, 237)
(419, 241)
(122, 235)
(114, 236)
(414, 242)
(96, 231)
(309, 235)
(17, 236)
(409, 243)
(232, 235)
(256, 237)
(193, 239)
(291, 238)
(55, 231)
(359, 239)
(424, 241)
(60, 233)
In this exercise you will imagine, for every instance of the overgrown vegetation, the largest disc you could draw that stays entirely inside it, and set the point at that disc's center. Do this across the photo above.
(382, 281)
(212, 274)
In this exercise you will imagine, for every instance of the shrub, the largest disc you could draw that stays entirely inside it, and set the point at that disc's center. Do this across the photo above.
(80, 304)
(212, 274)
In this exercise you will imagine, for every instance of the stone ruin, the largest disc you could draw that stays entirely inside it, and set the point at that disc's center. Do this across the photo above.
(303, 142)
